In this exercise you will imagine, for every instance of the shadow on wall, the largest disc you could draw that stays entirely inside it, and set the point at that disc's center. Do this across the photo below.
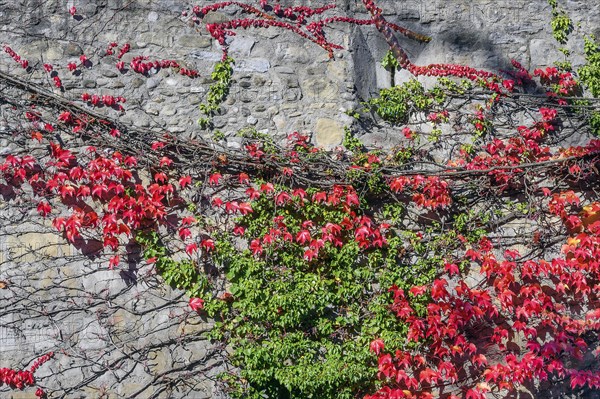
(460, 45)
(464, 45)
(364, 61)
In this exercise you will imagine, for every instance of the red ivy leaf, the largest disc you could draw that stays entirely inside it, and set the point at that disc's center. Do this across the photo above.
(44, 208)
(114, 262)
(156, 145)
(185, 181)
(191, 248)
(184, 233)
(197, 304)
(377, 346)
(208, 244)
(214, 179)
(451, 268)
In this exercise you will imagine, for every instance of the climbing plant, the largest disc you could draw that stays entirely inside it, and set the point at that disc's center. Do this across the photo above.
(459, 263)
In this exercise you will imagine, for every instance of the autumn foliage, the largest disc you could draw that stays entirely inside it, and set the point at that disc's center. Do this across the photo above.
(522, 322)
(471, 313)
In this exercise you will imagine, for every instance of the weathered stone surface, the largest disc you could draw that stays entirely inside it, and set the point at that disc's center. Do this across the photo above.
(194, 41)
(241, 47)
(544, 52)
(30, 247)
(329, 133)
(319, 89)
(215, 17)
(289, 84)
(280, 122)
(253, 65)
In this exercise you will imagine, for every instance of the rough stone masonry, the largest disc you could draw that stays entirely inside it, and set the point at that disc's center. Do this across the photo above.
(125, 331)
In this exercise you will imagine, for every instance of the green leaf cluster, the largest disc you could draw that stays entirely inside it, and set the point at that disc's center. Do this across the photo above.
(389, 61)
(589, 74)
(352, 143)
(561, 24)
(300, 328)
(218, 91)
(181, 274)
(394, 105)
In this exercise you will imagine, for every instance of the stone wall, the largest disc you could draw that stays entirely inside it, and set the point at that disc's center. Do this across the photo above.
(123, 332)
(282, 82)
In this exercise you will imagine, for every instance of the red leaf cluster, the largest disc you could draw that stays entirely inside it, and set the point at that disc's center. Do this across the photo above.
(526, 321)
(19, 379)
